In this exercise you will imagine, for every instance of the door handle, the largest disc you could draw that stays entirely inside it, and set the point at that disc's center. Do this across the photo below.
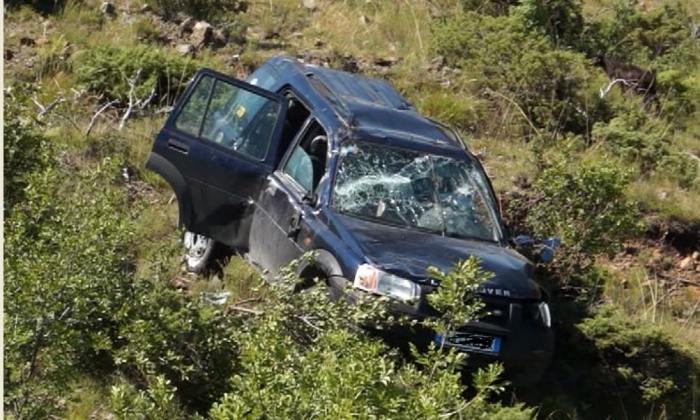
(294, 226)
(178, 146)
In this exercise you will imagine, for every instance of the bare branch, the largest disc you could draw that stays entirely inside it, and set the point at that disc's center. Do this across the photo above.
(45, 109)
(605, 91)
(97, 114)
(306, 321)
(132, 87)
(243, 309)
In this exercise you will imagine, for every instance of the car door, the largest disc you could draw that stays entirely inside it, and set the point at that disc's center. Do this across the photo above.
(283, 226)
(216, 149)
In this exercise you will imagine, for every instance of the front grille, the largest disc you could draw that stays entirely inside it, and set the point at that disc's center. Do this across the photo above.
(496, 313)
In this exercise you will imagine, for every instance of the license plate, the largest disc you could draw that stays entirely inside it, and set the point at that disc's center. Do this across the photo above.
(471, 342)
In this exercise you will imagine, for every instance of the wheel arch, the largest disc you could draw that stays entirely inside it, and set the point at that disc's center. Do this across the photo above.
(324, 265)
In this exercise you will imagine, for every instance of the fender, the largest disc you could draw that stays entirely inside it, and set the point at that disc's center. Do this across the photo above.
(169, 172)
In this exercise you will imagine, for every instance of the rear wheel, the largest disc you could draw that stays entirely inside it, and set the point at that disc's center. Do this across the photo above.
(199, 250)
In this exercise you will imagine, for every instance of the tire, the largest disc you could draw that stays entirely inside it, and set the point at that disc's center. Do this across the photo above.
(199, 250)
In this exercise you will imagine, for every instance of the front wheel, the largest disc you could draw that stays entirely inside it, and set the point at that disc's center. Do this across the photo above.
(199, 249)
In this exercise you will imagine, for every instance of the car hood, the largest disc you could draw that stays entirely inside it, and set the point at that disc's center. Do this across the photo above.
(408, 253)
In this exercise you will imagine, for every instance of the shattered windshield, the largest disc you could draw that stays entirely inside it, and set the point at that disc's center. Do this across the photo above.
(407, 188)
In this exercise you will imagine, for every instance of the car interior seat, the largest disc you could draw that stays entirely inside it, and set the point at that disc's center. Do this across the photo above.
(318, 148)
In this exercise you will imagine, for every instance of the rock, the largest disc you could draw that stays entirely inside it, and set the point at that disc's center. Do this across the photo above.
(8, 54)
(309, 4)
(187, 24)
(107, 8)
(696, 256)
(201, 34)
(218, 37)
(663, 195)
(437, 63)
(685, 263)
(145, 9)
(185, 49)
(25, 41)
(384, 62)
(364, 20)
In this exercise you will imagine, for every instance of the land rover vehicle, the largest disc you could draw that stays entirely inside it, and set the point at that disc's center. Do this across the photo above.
(303, 158)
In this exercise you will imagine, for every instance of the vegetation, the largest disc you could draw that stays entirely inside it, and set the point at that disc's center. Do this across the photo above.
(100, 322)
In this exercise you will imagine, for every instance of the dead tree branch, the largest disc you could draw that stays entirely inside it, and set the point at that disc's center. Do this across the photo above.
(97, 114)
(134, 102)
(45, 109)
(605, 91)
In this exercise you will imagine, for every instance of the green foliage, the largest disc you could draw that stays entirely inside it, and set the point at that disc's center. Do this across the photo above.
(631, 33)
(73, 306)
(187, 342)
(638, 368)
(157, 402)
(66, 267)
(585, 203)
(561, 20)
(108, 69)
(502, 55)
(333, 370)
(645, 142)
(210, 10)
(25, 149)
(489, 7)
(459, 285)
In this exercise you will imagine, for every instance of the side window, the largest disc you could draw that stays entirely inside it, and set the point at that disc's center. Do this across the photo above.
(307, 163)
(190, 118)
(233, 117)
(265, 77)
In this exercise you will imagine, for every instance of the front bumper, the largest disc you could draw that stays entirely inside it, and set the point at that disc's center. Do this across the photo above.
(526, 347)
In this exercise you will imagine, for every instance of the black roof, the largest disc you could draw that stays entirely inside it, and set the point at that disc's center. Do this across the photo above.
(372, 106)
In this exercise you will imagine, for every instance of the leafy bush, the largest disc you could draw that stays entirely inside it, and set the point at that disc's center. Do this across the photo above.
(631, 33)
(73, 306)
(638, 370)
(502, 55)
(561, 20)
(584, 203)
(25, 149)
(107, 70)
(332, 370)
(211, 10)
(639, 140)
(67, 269)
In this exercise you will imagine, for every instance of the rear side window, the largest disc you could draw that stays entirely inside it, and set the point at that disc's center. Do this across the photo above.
(265, 77)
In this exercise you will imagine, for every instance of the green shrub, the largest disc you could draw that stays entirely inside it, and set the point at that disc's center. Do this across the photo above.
(73, 307)
(631, 33)
(107, 70)
(25, 149)
(647, 143)
(67, 270)
(211, 10)
(502, 55)
(585, 203)
(489, 7)
(331, 370)
(637, 370)
(561, 20)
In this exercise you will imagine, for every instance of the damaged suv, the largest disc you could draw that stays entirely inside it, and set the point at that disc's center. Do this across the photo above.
(303, 158)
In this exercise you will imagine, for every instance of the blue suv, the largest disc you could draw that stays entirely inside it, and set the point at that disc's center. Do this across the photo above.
(304, 158)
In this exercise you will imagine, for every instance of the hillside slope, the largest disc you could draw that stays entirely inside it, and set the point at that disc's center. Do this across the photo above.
(101, 321)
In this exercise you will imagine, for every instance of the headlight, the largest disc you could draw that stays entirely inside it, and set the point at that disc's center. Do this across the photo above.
(543, 314)
(373, 280)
